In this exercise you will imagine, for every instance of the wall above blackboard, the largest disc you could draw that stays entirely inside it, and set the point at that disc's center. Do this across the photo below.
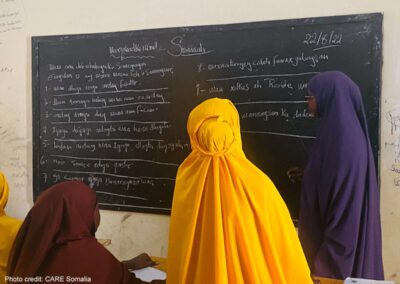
(110, 109)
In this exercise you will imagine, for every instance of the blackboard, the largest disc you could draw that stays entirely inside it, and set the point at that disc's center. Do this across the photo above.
(110, 109)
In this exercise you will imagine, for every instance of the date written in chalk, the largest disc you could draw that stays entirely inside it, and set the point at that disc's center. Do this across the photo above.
(48, 279)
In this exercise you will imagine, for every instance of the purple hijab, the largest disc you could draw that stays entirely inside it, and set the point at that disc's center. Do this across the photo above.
(339, 221)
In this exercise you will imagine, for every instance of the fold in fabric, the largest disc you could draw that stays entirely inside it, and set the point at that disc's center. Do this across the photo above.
(8, 228)
(228, 224)
(57, 239)
(339, 221)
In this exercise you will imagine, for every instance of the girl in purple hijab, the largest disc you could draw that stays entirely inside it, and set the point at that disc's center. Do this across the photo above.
(339, 222)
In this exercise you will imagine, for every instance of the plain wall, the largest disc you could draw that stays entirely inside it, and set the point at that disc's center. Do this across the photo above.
(131, 233)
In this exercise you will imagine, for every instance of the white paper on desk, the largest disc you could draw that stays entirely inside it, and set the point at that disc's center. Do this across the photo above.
(349, 280)
(149, 273)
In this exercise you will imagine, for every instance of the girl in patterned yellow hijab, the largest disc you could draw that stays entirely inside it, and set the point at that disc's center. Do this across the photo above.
(228, 224)
(8, 228)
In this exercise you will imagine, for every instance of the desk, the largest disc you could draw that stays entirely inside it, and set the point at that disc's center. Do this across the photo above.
(162, 265)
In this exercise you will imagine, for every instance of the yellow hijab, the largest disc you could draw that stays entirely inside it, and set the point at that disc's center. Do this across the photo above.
(8, 228)
(228, 223)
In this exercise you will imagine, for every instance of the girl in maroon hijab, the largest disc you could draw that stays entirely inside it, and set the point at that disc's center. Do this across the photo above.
(339, 222)
(57, 241)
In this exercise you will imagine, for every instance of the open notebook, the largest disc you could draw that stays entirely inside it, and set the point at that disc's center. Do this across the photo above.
(149, 273)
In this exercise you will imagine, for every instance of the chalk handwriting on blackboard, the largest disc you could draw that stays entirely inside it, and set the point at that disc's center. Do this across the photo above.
(180, 48)
(112, 108)
(323, 40)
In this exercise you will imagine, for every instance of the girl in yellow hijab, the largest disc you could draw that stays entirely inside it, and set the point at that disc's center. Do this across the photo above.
(228, 224)
(8, 228)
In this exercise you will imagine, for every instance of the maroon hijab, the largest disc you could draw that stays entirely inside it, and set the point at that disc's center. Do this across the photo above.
(57, 239)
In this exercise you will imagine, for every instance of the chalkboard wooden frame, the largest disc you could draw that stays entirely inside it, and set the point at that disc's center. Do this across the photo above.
(372, 105)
